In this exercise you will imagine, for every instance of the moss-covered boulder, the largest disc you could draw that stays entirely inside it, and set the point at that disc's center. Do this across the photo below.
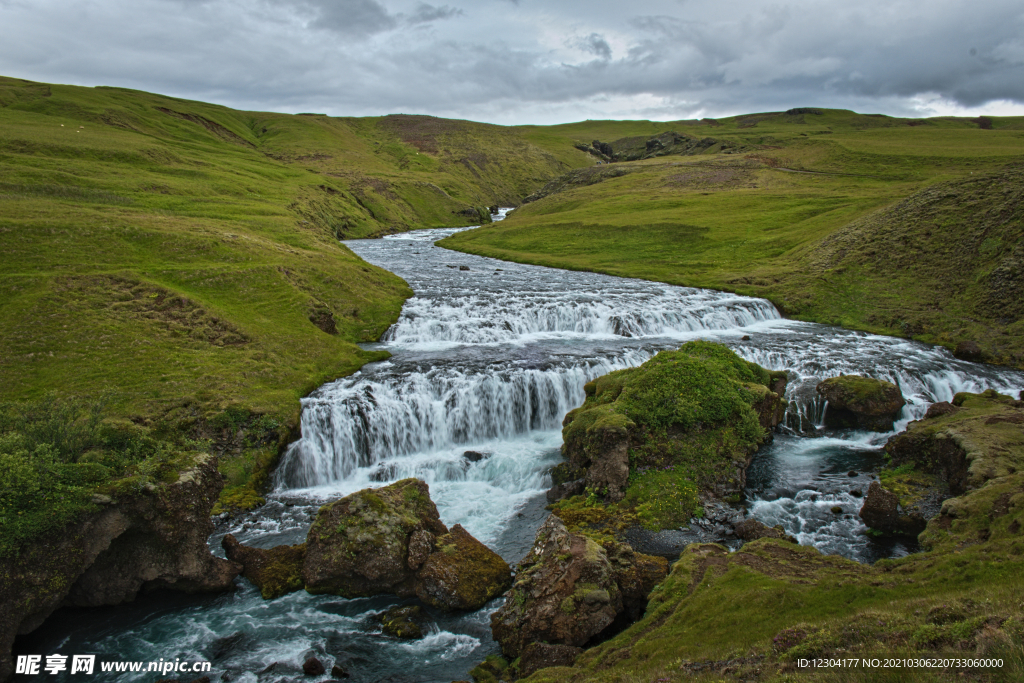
(275, 571)
(403, 622)
(391, 540)
(462, 573)
(701, 410)
(359, 545)
(570, 590)
(856, 402)
(882, 512)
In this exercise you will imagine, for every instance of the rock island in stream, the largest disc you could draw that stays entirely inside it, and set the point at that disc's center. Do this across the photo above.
(385, 540)
(650, 442)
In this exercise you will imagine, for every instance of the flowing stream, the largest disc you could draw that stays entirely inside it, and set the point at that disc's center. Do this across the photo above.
(488, 356)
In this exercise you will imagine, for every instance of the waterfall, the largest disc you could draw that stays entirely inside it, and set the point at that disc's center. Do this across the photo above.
(361, 421)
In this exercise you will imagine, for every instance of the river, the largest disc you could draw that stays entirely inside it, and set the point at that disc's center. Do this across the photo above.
(489, 356)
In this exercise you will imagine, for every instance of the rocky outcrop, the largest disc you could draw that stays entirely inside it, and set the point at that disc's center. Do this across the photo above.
(701, 404)
(856, 402)
(976, 451)
(392, 540)
(881, 511)
(403, 622)
(156, 538)
(463, 574)
(570, 590)
(275, 571)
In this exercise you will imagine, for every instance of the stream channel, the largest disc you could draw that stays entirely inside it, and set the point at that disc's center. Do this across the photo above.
(488, 356)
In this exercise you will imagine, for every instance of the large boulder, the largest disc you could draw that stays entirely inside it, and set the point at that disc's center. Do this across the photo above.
(570, 590)
(275, 571)
(134, 542)
(359, 545)
(857, 402)
(882, 511)
(701, 407)
(462, 574)
(391, 540)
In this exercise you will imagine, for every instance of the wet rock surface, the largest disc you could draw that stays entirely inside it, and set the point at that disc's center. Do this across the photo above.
(569, 590)
(882, 512)
(275, 571)
(858, 402)
(403, 622)
(462, 574)
(359, 545)
(752, 530)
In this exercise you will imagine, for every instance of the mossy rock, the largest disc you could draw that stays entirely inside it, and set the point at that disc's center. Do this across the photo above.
(275, 571)
(402, 622)
(462, 574)
(857, 402)
(700, 410)
(359, 545)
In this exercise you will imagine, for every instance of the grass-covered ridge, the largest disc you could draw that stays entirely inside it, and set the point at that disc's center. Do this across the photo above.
(906, 227)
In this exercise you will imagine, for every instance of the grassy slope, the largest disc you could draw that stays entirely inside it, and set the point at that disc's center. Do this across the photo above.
(744, 220)
(178, 253)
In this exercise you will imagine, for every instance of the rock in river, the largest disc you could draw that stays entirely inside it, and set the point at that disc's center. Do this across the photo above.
(275, 571)
(856, 402)
(392, 540)
(569, 590)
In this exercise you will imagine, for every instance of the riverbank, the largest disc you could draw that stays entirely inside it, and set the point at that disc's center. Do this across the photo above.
(911, 231)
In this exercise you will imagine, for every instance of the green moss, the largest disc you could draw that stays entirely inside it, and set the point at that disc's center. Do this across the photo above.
(663, 499)
(691, 421)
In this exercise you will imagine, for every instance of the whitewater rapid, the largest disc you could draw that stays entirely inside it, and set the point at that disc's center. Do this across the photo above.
(487, 357)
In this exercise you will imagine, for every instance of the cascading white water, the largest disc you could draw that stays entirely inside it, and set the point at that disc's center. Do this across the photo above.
(362, 421)
(508, 316)
(487, 357)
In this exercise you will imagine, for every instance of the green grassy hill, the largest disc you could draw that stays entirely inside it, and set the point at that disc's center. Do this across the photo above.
(900, 226)
(182, 258)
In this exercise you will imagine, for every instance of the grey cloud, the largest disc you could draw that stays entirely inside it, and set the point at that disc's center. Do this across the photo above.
(349, 17)
(594, 44)
(511, 66)
(425, 13)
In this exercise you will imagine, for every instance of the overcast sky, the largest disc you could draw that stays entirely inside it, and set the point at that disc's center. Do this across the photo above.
(527, 61)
